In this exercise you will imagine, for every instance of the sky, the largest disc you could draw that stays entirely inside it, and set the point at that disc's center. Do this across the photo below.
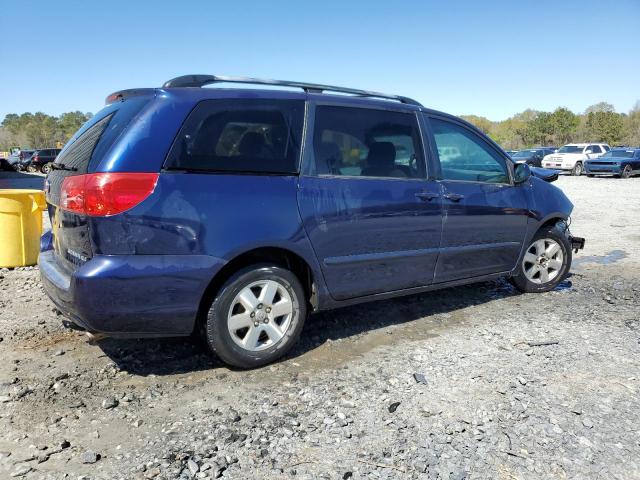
(489, 58)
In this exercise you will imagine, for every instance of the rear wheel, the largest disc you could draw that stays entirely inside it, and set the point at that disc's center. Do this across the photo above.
(31, 169)
(256, 317)
(546, 262)
(626, 172)
(577, 169)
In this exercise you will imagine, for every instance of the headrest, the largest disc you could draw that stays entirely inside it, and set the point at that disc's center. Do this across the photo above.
(251, 144)
(381, 154)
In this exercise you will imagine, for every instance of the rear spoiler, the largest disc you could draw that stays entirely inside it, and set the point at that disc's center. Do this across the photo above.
(122, 95)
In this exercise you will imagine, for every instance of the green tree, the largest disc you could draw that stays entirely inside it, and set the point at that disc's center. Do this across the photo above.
(42, 130)
(564, 124)
(632, 126)
(482, 123)
(70, 122)
(600, 107)
(605, 126)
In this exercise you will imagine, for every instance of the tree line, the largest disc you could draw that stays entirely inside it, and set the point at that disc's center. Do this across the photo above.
(598, 123)
(39, 130)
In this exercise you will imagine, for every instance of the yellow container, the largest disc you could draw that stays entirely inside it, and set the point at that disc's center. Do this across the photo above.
(20, 226)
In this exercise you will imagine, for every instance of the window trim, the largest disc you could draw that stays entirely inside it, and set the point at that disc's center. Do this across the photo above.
(508, 162)
(308, 157)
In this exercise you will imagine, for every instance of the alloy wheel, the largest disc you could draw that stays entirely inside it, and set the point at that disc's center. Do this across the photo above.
(626, 173)
(577, 170)
(543, 261)
(260, 315)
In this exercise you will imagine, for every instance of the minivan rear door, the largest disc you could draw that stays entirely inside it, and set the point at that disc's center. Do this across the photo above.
(372, 217)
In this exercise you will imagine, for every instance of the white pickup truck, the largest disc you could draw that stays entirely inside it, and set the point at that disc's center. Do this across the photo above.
(572, 156)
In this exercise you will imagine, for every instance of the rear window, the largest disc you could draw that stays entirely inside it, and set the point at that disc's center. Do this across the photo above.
(95, 137)
(242, 136)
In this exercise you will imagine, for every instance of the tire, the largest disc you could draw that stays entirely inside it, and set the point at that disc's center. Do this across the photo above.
(577, 169)
(526, 279)
(31, 169)
(252, 345)
(626, 173)
(46, 168)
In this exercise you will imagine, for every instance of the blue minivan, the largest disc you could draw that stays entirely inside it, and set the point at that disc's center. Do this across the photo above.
(234, 212)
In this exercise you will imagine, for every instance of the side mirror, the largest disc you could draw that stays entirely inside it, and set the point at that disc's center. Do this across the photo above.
(522, 173)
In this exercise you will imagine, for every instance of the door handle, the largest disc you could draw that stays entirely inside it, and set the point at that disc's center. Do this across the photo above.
(427, 196)
(454, 197)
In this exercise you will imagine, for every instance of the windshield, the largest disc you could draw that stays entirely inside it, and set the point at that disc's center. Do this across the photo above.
(571, 149)
(524, 153)
(618, 154)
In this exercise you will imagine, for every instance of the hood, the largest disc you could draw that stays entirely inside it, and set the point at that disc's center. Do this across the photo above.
(544, 174)
(565, 154)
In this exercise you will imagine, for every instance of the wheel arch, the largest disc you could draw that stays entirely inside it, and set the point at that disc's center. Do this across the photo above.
(279, 256)
(551, 220)
(534, 227)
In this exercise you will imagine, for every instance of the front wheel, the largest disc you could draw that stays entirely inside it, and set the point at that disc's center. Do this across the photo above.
(577, 169)
(256, 317)
(46, 168)
(546, 262)
(626, 173)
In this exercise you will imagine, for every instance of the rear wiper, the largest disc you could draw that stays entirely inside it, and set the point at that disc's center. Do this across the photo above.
(62, 166)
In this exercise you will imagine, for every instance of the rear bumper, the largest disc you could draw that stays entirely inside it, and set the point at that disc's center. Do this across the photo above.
(130, 295)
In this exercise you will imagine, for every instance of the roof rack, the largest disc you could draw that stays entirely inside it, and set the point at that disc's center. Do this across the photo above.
(202, 80)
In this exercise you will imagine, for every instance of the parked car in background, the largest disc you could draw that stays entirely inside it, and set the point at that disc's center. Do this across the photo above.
(232, 213)
(5, 165)
(532, 156)
(620, 162)
(41, 160)
(20, 159)
(571, 157)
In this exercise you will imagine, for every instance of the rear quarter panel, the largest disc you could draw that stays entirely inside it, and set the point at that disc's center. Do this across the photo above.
(215, 214)
(218, 215)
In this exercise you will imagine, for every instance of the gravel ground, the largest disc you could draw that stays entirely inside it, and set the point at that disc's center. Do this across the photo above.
(471, 382)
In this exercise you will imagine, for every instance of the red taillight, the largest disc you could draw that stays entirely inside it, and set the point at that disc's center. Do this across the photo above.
(35, 158)
(103, 194)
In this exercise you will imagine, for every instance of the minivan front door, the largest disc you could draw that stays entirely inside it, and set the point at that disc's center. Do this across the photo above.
(485, 215)
(373, 219)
